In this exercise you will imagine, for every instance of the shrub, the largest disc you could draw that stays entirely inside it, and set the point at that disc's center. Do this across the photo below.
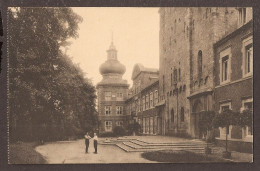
(134, 127)
(107, 134)
(119, 131)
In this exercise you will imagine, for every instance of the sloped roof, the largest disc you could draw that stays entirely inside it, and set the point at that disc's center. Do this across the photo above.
(138, 68)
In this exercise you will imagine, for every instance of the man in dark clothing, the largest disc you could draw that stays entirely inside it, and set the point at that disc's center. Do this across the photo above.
(87, 137)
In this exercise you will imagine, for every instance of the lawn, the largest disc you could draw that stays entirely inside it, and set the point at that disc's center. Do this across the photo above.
(24, 153)
(180, 157)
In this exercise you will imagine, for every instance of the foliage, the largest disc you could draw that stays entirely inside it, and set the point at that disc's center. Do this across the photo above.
(206, 120)
(108, 134)
(119, 131)
(179, 156)
(24, 153)
(225, 119)
(49, 96)
(133, 127)
(246, 118)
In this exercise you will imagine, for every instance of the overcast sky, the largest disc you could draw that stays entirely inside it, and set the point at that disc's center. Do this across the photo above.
(135, 34)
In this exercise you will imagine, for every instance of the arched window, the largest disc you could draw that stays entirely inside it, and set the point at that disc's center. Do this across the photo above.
(182, 114)
(199, 63)
(172, 115)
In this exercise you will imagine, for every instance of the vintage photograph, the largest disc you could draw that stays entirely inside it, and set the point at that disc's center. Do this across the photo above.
(101, 85)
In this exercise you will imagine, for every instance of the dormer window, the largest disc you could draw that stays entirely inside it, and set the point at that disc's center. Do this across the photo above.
(242, 16)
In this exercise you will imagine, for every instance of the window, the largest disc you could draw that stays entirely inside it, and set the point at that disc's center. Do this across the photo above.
(163, 84)
(242, 16)
(151, 99)
(119, 110)
(119, 96)
(107, 95)
(179, 74)
(108, 110)
(172, 116)
(147, 102)
(182, 114)
(155, 97)
(139, 105)
(247, 56)
(248, 104)
(225, 65)
(119, 123)
(171, 80)
(225, 68)
(200, 63)
(108, 126)
(223, 107)
(143, 103)
(175, 75)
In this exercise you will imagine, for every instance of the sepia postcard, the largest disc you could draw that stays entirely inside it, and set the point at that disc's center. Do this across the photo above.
(104, 85)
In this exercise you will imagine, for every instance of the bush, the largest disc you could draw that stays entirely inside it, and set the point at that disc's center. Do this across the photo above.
(107, 134)
(134, 127)
(119, 131)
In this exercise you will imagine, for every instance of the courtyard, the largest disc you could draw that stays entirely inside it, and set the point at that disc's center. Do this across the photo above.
(112, 150)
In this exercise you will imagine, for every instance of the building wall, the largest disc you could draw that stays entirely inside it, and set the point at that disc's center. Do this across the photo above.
(184, 32)
(240, 86)
(113, 103)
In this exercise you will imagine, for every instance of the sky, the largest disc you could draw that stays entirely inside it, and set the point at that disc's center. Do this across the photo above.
(135, 35)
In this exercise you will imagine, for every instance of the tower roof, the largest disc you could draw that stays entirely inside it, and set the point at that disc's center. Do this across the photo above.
(112, 65)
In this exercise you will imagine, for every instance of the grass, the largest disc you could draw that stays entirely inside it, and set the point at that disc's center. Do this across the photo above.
(24, 153)
(180, 157)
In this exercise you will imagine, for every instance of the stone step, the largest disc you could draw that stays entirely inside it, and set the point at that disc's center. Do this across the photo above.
(129, 149)
(135, 146)
(142, 143)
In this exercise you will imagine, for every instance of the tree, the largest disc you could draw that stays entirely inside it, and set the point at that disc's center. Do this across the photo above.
(206, 125)
(224, 120)
(49, 97)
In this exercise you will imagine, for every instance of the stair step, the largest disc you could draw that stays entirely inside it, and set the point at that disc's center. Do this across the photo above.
(170, 144)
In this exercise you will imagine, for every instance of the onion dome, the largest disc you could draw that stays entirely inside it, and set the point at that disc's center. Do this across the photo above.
(112, 65)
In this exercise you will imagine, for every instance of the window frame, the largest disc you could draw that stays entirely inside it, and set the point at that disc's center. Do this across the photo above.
(151, 100)
(108, 125)
(119, 123)
(119, 110)
(243, 108)
(223, 54)
(247, 42)
(108, 110)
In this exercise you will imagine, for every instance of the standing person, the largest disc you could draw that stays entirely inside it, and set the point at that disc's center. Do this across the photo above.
(87, 137)
(95, 142)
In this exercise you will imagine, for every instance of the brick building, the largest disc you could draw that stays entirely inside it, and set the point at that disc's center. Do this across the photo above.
(111, 93)
(142, 99)
(186, 77)
(233, 75)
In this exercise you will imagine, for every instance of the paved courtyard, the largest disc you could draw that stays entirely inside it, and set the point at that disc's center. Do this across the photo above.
(74, 152)
(124, 150)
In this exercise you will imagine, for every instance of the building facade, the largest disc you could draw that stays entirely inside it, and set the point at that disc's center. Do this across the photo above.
(186, 68)
(142, 99)
(111, 93)
(234, 76)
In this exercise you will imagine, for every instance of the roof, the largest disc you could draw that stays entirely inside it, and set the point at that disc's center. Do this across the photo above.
(138, 68)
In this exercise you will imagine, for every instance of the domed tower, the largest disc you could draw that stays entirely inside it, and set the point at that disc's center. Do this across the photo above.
(111, 92)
